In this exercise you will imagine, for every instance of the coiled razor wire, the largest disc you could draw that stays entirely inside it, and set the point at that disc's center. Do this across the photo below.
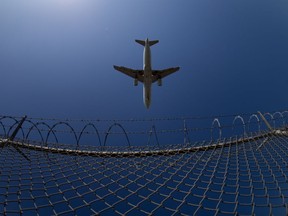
(240, 169)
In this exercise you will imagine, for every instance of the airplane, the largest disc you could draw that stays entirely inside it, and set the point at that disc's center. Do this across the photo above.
(147, 76)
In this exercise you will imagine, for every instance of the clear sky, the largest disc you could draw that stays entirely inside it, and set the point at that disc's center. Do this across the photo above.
(57, 57)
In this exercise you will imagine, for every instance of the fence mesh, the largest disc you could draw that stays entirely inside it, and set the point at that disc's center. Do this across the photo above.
(244, 174)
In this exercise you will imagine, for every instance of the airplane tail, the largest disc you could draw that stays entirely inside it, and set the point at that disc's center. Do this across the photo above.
(151, 43)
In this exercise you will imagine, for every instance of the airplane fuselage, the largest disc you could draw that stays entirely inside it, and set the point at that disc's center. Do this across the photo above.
(147, 68)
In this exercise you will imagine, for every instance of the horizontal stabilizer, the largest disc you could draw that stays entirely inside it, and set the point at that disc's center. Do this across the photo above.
(140, 42)
(151, 43)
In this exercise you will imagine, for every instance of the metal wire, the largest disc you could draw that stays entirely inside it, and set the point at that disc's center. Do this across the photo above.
(233, 175)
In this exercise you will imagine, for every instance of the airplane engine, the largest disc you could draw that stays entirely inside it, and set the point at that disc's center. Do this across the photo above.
(159, 82)
(136, 82)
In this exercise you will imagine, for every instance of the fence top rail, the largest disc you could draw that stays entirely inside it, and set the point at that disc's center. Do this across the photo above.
(143, 151)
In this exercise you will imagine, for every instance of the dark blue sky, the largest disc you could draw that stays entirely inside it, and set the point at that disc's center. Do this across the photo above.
(56, 57)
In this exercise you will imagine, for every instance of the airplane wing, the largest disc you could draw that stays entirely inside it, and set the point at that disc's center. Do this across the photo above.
(159, 74)
(135, 74)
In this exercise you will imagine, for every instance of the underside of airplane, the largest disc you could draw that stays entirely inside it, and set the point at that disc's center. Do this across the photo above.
(147, 75)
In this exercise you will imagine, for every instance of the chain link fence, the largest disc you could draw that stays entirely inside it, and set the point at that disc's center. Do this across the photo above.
(145, 167)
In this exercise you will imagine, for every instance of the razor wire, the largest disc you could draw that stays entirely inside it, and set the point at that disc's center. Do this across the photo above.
(101, 130)
(239, 169)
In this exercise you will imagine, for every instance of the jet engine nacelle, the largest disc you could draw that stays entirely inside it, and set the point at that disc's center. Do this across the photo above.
(159, 82)
(136, 82)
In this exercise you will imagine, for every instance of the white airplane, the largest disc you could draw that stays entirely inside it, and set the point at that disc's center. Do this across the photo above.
(147, 76)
